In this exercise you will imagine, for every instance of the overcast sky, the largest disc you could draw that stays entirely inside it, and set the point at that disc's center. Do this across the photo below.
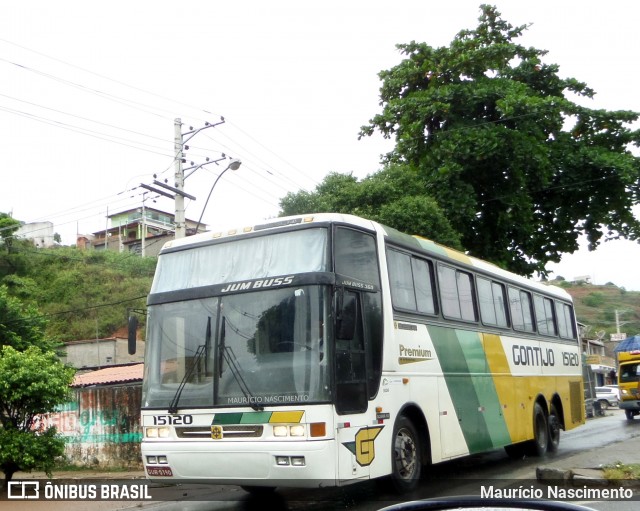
(90, 91)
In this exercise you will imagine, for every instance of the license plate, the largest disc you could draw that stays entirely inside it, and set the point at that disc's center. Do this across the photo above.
(159, 471)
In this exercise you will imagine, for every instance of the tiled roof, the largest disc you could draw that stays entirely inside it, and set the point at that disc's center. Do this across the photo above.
(118, 374)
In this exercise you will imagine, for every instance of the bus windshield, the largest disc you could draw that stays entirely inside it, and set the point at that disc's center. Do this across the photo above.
(272, 255)
(256, 349)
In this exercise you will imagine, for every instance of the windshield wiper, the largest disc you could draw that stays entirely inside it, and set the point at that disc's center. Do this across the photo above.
(173, 406)
(202, 350)
(230, 358)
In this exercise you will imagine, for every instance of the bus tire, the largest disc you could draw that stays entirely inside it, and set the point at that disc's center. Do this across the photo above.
(554, 430)
(538, 446)
(406, 456)
(629, 414)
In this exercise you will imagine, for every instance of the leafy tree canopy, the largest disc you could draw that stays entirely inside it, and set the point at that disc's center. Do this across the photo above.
(517, 168)
(32, 382)
(21, 326)
(8, 226)
(394, 196)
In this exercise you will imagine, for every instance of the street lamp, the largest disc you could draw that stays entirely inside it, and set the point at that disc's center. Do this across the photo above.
(233, 165)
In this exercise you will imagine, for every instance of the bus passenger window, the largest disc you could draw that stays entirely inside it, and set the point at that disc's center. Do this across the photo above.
(401, 280)
(456, 294)
(520, 305)
(492, 302)
(423, 282)
(545, 318)
(566, 326)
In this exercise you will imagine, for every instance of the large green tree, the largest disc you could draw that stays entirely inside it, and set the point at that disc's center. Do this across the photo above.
(32, 383)
(395, 196)
(8, 226)
(507, 148)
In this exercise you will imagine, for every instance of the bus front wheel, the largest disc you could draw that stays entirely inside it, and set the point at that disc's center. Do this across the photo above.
(406, 456)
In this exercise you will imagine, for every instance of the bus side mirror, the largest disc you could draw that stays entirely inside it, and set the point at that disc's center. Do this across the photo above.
(132, 334)
(347, 312)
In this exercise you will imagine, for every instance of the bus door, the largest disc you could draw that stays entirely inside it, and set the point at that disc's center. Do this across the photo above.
(353, 431)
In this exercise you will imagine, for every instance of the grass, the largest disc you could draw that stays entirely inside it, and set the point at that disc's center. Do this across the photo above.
(620, 471)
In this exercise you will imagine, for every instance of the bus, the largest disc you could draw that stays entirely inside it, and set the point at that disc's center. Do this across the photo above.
(327, 349)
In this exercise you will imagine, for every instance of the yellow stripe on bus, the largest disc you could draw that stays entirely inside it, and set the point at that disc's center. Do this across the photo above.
(505, 385)
(293, 416)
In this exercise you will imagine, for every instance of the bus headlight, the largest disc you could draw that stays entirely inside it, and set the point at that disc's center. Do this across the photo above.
(155, 432)
(280, 430)
(297, 430)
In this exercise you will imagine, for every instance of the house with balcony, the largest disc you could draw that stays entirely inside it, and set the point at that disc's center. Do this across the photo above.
(141, 230)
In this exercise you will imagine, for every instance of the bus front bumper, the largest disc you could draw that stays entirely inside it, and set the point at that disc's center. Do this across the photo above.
(292, 464)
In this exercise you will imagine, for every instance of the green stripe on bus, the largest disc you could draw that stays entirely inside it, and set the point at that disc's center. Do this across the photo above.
(472, 391)
(287, 416)
(227, 418)
(475, 354)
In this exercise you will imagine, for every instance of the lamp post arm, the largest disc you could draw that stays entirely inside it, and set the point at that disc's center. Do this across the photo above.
(233, 166)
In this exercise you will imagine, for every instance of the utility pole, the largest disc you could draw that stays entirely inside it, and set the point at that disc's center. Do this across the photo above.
(618, 322)
(179, 181)
(143, 234)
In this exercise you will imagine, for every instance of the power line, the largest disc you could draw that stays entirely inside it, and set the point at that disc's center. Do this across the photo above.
(105, 77)
(75, 311)
(85, 118)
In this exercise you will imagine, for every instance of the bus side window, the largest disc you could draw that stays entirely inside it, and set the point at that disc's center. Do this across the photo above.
(401, 280)
(520, 305)
(566, 325)
(492, 298)
(545, 318)
(423, 282)
(456, 294)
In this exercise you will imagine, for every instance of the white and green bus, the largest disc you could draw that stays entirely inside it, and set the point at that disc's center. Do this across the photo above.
(328, 349)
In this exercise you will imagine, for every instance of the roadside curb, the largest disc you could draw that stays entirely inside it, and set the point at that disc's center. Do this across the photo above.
(581, 477)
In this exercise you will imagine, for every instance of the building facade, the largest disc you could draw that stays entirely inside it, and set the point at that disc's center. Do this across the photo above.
(142, 231)
(40, 233)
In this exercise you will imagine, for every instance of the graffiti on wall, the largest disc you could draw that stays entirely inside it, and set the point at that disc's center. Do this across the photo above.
(101, 425)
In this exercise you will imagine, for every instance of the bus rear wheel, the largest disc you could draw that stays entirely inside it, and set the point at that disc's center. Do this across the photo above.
(406, 456)
(554, 430)
(538, 446)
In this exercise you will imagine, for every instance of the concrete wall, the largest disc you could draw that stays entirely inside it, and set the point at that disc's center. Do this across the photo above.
(101, 352)
(40, 233)
(101, 426)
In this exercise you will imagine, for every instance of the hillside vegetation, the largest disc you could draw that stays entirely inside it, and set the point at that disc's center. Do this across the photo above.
(82, 294)
(88, 294)
(596, 307)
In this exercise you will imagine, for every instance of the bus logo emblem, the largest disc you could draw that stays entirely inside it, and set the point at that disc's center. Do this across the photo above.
(216, 432)
(363, 447)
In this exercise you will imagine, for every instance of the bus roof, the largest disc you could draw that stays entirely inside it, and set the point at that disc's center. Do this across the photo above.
(417, 243)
